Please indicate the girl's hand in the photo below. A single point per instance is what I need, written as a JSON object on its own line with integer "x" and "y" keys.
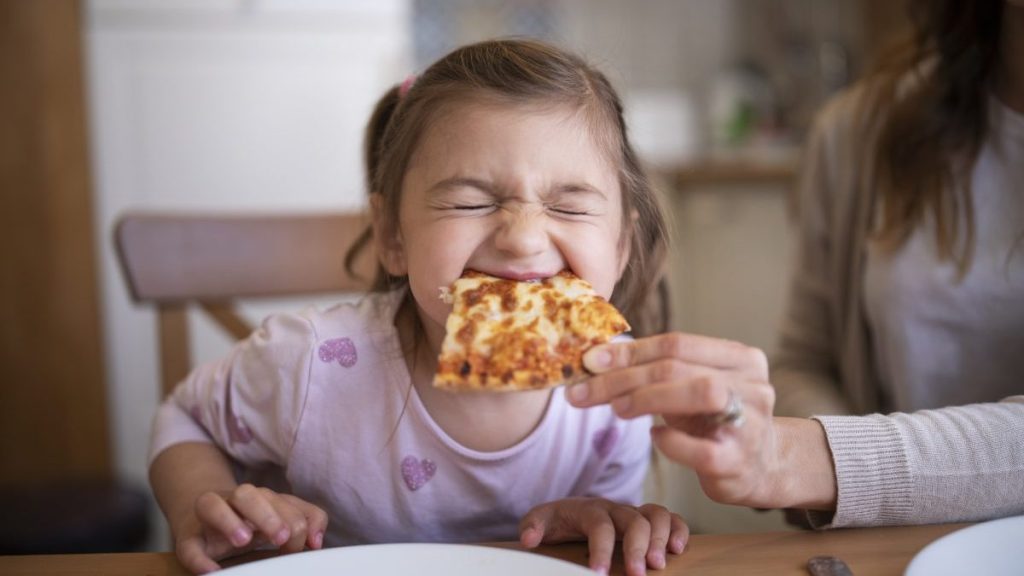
{"x": 691, "y": 380}
{"x": 246, "y": 518}
{"x": 646, "y": 532}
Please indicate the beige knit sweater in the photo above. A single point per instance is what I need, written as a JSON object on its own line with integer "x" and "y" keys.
{"x": 944, "y": 465}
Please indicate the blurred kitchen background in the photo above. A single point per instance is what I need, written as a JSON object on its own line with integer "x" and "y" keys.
{"x": 259, "y": 105}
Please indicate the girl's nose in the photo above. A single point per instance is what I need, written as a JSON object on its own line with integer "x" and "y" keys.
{"x": 522, "y": 233}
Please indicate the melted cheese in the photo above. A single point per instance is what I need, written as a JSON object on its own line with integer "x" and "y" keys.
{"x": 509, "y": 335}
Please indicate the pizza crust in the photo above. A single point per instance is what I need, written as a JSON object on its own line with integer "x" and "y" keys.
{"x": 505, "y": 335}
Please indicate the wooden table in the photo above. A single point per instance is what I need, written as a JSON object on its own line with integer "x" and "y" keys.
{"x": 868, "y": 552}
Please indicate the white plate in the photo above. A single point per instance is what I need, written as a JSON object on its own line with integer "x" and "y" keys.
{"x": 410, "y": 559}
{"x": 994, "y": 548}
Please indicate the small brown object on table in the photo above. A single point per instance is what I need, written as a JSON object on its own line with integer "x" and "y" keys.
{"x": 868, "y": 552}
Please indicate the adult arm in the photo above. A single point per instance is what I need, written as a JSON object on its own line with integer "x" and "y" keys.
{"x": 954, "y": 464}
{"x": 946, "y": 465}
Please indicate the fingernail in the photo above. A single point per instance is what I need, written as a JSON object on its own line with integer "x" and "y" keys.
{"x": 601, "y": 570}
{"x": 638, "y": 567}
{"x": 529, "y": 537}
{"x": 318, "y": 540}
{"x": 658, "y": 560}
{"x": 579, "y": 392}
{"x": 677, "y": 546}
{"x": 597, "y": 359}
{"x": 240, "y": 537}
{"x": 281, "y": 537}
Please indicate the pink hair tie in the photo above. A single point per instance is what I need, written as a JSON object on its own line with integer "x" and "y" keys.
{"x": 406, "y": 85}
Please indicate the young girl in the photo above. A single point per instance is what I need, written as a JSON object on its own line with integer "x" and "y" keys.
{"x": 507, "y": 157}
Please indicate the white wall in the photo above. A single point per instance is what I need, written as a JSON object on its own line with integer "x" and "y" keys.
{"x": 240, "y": 105}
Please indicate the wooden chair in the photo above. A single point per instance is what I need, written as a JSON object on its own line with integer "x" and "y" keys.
{"x": 174, "y": 261}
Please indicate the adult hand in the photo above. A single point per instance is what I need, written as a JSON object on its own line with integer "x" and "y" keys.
{"x": 647, "y": 532}
{"x": 691, "y": 381}
{"x": 225, "y": 525}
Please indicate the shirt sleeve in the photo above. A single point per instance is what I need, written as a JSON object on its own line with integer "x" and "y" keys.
{"x": 250, "y": 402}
{"x": 957, "y": 464}
{"x": 624, "y": 472}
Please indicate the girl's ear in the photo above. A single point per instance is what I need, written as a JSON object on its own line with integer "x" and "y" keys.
{"x": 387, "y": 239}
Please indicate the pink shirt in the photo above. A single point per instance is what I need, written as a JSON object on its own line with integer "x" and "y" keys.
{"x": 323, "y": 401}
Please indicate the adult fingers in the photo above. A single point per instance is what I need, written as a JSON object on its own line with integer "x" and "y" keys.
{"x": 192, "y": 555}
{"x": 692, "y": 348}
{"x": 726, "y": 473}
{"x": 218, "y": 516}
{"x": 707, "y": 457}
{"x": 703, "y": 395}
{"x": 254, "y": 505}
{"x": 614, "y": 385}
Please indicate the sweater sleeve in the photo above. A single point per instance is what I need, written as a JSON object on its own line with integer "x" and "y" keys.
{"x": 249, "y": 403}
{"x": 956, "y": 464}
{"x": 805, "y": 369}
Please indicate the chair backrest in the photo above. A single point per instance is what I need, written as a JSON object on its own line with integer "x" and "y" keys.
{"x": 176, "y": 260}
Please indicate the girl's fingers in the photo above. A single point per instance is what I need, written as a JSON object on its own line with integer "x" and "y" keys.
{"x": 554, "y": 521}
{"x": 646, "y": 532}
{"x": 690, "y": 348}
{"x": 660, "y": 520}
{"x": 316, "y": 520}
{"x": 295, "y": 520}
{"x": 600, "y": 531}
{"x": 193, "y": 557}
{"x": 253, "y": 504}
{"x": 679, "y": 535}
{"x": 534, "y": 525}
{"x": 636, "y": 538}
{"x": 218, "y": 516}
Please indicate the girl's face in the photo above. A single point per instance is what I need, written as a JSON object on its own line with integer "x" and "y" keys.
{"x": 512, "y": 191}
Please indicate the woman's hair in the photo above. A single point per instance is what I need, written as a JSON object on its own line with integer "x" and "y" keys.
{"x": 522, "y": 72}
{"x": 930, "y": 99}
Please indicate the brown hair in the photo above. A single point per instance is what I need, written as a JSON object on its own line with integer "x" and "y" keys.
{"x": 929, "y": 97}
{"x": 523, "y": 72}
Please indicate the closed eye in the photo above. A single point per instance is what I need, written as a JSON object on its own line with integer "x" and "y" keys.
{"x": 469, "y": 207}
{"x": 570, "y": 212}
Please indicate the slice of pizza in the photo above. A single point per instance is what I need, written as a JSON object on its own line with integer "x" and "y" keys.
{"x": 507, "y": 335}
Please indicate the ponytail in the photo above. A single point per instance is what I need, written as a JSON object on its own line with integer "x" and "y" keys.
{"x": 375, "y": 128}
